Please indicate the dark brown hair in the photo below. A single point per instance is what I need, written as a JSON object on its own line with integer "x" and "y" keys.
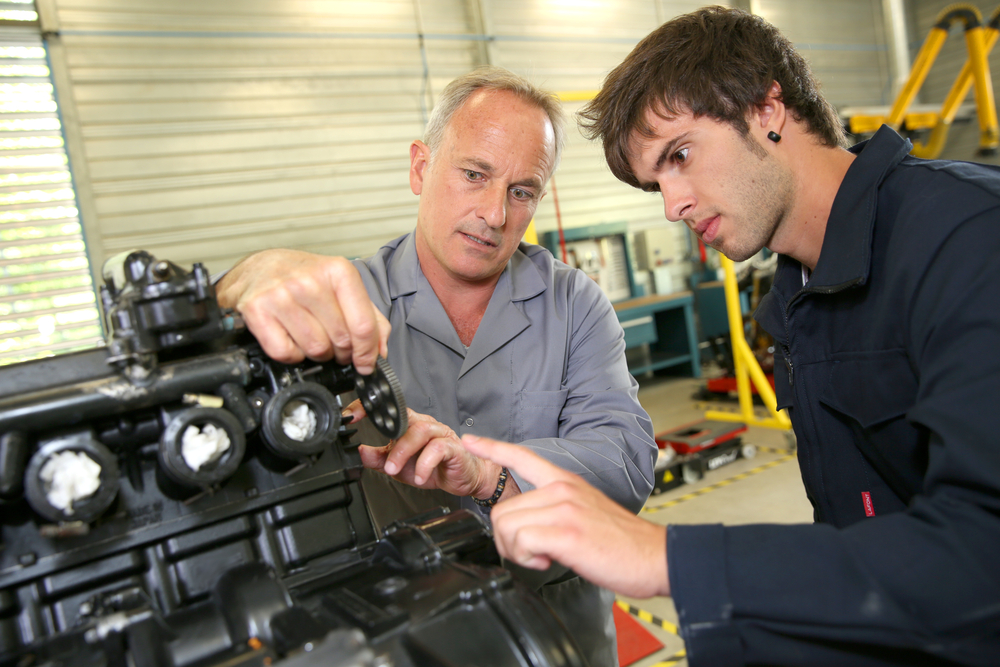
{"x": 716, "y": 62}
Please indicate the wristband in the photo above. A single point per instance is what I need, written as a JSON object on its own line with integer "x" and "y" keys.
{"x": 492, "y": 500}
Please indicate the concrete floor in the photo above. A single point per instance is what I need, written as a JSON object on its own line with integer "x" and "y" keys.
{"x": 771, "y": 492}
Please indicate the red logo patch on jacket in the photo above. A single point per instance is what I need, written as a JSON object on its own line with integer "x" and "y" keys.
{"x": 867, "y": 499}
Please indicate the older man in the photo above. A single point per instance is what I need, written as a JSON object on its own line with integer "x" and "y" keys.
{"x": 489, "y": 336}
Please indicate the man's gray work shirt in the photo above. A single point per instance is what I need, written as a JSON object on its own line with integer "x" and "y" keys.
{"x": 546, "y": 367}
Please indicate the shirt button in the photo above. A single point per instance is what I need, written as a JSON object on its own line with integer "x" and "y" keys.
{"x": 469, "y": 422}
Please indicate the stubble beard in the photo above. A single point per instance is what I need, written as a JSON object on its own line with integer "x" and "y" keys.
{"x": 766, "y": 200}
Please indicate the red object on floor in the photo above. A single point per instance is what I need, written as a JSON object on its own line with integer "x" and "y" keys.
{"x": 727, "y": 384}
{"x": 634, "y": 641}
{"x": 696, "y": 436}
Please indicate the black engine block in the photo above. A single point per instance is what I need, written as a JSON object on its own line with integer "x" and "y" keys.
{"x": 260, "y": 552}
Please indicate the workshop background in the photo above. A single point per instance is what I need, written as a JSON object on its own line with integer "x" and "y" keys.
{"x": 204, "y": 131}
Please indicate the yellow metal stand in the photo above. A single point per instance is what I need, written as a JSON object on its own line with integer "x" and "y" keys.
{"x": 979, "y": 40}
{"x": 959, "y": 90}
{"x": 747, "y": 368}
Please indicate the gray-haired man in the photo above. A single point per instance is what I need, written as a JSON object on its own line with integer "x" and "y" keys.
{"x": 489, "y": 336}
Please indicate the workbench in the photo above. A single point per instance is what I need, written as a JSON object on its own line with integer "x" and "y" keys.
{"x": 665, "y": 322}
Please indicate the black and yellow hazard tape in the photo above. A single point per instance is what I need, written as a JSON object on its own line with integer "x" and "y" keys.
{"x": 788, "y": 456}
{"x": 644, "y": 615}
{"x": 672, "y": 660}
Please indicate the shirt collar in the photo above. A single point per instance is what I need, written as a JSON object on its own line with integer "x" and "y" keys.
{"x": 403, "y": 268}
{"x": 845, "y": 258}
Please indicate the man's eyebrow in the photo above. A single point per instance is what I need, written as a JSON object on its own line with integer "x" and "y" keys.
{"x": 481, "y": 165}
{"x": 529, "y": 183}
{"x": 668, "y": 150}
{"x": 487, "y": 168}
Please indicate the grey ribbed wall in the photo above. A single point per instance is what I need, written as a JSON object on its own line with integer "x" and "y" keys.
{"x": 207, "y": 130}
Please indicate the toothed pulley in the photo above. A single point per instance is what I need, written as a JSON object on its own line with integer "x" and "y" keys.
{"x": 382, "y": 397}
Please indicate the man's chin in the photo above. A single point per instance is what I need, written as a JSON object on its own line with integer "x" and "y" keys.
{"x": 738, "y": 257}
{"x": 475, "y": 276}
{"x": 735, "y": 254}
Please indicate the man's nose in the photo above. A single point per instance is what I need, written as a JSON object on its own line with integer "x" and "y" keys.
{"x": 493, "y": 206}
{"x": 678, "y": 202}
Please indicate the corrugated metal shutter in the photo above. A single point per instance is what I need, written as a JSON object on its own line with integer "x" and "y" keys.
{"x": 209, "y": 130}
{"x": 845, "y": 44}
{"x": 47, "y": 300}
{"x": 205, "y": 130}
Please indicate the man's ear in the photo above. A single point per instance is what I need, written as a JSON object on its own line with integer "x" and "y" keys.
{"x": 420, "y": 156}
{"x": 771, "y": 114}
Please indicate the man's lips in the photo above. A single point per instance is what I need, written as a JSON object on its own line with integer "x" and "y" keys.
{"x": 708, "y": 228}
{"x": 480, "y": 240}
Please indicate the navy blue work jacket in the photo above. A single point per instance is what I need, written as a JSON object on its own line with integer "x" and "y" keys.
{"x": 888, "y": 360}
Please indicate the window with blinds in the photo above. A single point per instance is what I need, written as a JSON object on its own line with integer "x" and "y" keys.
{"x": 47, "y": 299}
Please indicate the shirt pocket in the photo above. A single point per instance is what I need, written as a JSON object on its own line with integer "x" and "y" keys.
{"x": 872, "y": 393}
{"x": 872, "y": 387}
{"x": 539, "y": 413}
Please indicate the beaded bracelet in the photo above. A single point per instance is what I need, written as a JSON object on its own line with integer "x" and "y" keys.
{"x": 492, "y": 500}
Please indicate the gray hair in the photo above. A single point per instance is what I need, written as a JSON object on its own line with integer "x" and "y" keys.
{"x": 461, "y": 89}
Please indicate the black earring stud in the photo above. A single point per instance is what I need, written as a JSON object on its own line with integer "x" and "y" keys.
{"x": 774, "y": 136}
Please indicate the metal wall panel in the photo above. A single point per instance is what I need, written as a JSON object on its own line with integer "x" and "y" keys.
{"x": 207, "y": 130}
{"x": 844, "y": 42}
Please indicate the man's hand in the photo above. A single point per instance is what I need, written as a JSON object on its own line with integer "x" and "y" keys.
{"x": 566, "y": 520}
{"x": 302, "y": 305}
{"x": 430, "y": 456}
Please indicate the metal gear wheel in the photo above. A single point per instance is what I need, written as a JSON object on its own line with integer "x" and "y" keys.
{"x": 382, "y": 397}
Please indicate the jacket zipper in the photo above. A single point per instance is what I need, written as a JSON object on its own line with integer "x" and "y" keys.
{"x": 787, "y": 348}
{"x": 784, "y": 314}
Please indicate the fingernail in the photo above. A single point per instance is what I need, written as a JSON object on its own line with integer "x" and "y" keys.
{"x": 418, "y": 479}
{"x": 390, "y": 468}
